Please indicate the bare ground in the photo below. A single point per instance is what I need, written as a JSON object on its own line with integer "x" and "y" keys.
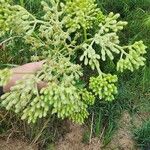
{"x": 15, "y": 144}
{"x": 73, "y": 140}
{"x": 122, "y": 140}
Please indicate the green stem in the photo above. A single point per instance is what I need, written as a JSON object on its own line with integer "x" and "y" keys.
{"x": 122, "y": 49}
{"x": 98, "y": 69}
{"x": 85, "y": 34}
{"x": 9, "y": 65}
{"x": 7, "y": 40}
{"x": 22, "y": 3}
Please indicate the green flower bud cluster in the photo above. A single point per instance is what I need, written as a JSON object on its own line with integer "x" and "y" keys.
{"x": 5, "y": 76}
{"x": 81, "y": 13}
{"x": 109, "y": 44}
{"x": 110, "y": 24}
{"x": 61, "y": 96}
{"x": 20, "y": 97}
{"x": 59, "y": 70}
{"x": 36, "y": 109}
{"x": 106, "y": 38}
{"x": 49, "y": 15}
{"x": 25, "y": 23}
{"x": 4, "y": 15}
{"x": 50, "y": 35}
{"x": 65, "y": 101}
{"x": 89, "y": 56}
{"x": 104, "y": 86}
{"x": 16, "y": 18}
{"x": 87, "y": 97}
{"x": 35, "y": 43}
{"x": 99, "y": 18}
{"x": 134, "y": 59}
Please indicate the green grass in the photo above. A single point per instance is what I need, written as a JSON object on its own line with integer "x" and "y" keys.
{"x": 142, "y": 136}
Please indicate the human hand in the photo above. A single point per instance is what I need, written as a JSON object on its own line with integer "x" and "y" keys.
{"x": 19, "y": 72}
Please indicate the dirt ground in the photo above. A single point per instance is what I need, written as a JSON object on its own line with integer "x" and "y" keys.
{"x": 73, "y": 140}
{"x": 15, "y": 144}
{"x": 122, "y": 139}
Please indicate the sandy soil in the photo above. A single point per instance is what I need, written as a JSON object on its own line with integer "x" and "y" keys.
{"x": 122, "y": 140}
{"x": 73, "y": 140}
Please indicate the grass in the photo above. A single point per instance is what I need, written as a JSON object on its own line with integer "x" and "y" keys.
{"x": 44, "y": 133}
{"x": 142, "y": 136}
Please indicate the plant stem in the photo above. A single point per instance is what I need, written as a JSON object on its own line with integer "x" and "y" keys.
{"x": 98, "y": 69}
{"x": 85, "y": 34}
{"x": 7, "y": 40}
{"x": 91, "y": 133}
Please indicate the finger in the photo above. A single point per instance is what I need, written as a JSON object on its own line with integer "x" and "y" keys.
{"x": 42, "y": 85}
{"x": 29, "y": 68}
{"x": 39, "y": 65}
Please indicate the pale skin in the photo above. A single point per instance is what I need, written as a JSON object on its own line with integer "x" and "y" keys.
{"x": 20, "y": 71}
